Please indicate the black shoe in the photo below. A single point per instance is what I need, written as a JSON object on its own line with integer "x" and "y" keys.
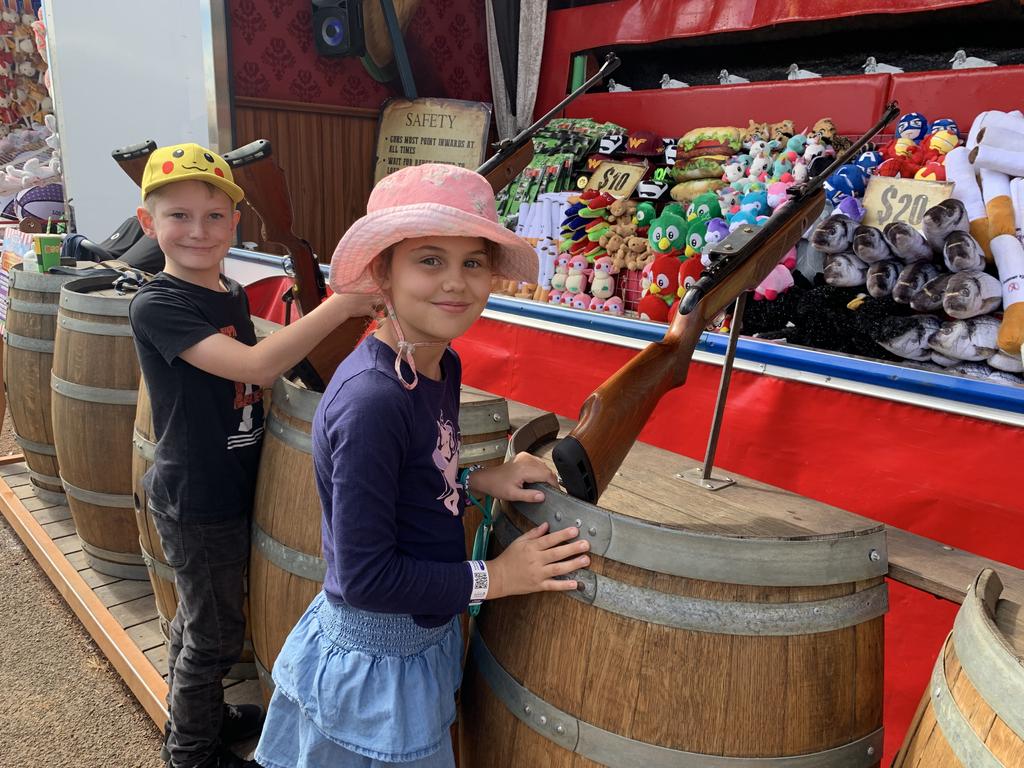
{"x": 239, "y": 722}
{"x": 228, "y": 759}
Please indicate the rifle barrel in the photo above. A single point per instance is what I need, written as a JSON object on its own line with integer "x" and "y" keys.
{"x": 506, "y": 148}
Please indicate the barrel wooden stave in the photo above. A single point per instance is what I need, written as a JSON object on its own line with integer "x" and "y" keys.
{"x": 164, "y": 592}
{"x": 586, "y": 661}
{"x": 93, "y": 439}
{"x": 927, "y": 744}
{"x": 287, "y": 509}
{"x": 32, "y": 317}
{"x": 699, "y": 692}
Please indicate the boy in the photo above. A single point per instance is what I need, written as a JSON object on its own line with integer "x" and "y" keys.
{"x": 198, "y": 353}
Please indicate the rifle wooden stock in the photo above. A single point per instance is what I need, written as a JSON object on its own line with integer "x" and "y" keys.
{"x": 501, "y": 176}
{"x": 612, "y": 417}
{"x": 132, "y": 159}
{"x": 266, "y": 194}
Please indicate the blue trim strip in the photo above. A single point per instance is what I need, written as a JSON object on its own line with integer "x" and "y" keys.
{"x": 946, "y": 386}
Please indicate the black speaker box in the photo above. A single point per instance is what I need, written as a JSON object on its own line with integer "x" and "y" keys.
{"x": 338, "y": 27}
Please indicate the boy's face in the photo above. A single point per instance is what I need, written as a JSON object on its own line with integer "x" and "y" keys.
{"x": 439, "y": 285}
{"x": 193, "y": 223}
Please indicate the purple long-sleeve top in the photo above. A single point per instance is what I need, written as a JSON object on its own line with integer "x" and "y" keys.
{"x": 386, "y": 462}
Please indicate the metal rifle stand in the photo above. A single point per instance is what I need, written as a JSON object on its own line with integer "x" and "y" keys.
{"x": 702, "y": 476}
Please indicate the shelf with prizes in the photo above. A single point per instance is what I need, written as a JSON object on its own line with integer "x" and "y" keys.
{"x": 916, "y": 259}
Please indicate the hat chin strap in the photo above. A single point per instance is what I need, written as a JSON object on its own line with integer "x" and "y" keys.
{"x": 406, "y": 349}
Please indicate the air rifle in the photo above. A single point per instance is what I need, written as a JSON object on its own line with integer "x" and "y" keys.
{"x": 515, "y": 154}
{"x": 611, "y": 417}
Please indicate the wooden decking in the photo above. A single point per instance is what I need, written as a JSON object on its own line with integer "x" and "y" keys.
{"x": 119, "y": 614}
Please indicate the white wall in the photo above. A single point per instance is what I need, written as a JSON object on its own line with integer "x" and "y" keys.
{"x": 125, "y": 71}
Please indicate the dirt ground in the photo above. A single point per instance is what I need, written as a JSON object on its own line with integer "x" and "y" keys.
{"x": 61, "y": 703}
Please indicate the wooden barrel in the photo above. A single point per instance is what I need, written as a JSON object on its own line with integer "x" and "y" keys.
{"x": 95, "y": 381}
{"x": 973, "y": 711}
{"x": 286, "y": 570}
{"x": 483, "y": 422}
{"x": 710, "y": 630}
{"x": 30, "y": 329}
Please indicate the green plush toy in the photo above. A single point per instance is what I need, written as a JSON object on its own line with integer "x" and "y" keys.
{"x": 667, "y": 234}
{"x": 696, "y": 235}
{"x": 645, "y": 214}
{"x": 705, "y": 207}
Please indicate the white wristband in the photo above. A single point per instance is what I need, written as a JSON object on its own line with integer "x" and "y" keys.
{"x": 481, "y": 581}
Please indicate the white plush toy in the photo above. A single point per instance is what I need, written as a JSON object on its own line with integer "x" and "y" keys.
{"x": 998, "y": 157}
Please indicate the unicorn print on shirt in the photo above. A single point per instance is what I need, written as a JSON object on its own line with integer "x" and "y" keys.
{"x": 446, "y": 459}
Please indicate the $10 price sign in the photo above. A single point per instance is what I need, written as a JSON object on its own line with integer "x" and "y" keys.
{"x": 887, "y": 200}
{"x": 618, "y": 179}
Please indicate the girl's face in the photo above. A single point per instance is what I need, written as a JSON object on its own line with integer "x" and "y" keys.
{"x": 438, "y": 285}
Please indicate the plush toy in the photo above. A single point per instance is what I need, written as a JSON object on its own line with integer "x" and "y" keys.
{"x": 779, "y": 280}
{"x": 696, "y": 237}
{"x": 913, "y": 126}
{"x": 704, "y": 207}
{"x": 782, "y": 169}
{"x": 945, "y": 124}
{"x": 777, "y": 193}
{"x": 754, "y": 132}
{"x": 1007, "y": 251}
{"x": 561, "y": 273}
{"x": 614, "y": 306}
{"x": 645, "y": 214}
{"x": 576, "y": 281}
{"x": 555, "y": 297}
{"x": 603, "y": 284}
{"x": 667, "y": 234}
{"x": 641, "y": 254}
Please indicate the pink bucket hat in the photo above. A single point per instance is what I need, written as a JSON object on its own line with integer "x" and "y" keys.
{"x": 425, "y": 200}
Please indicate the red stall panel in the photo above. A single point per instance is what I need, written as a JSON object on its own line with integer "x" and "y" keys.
{"x": 854, "y": 103}
{"x": 960, "y": 95}
{"x": 630, "y": 22}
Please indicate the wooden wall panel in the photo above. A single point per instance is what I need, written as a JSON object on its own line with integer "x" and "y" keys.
{"x": 327, "y": 155}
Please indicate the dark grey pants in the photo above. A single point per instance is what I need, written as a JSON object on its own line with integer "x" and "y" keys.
{"x": 207, "y": 633}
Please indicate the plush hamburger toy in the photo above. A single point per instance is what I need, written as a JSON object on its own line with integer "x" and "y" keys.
{"x": 721, "y": 141}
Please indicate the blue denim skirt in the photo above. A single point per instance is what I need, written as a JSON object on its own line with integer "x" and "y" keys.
{"x": 356, "y": 689}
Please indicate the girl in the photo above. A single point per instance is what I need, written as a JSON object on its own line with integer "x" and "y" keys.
{"x": 368, "y": 676}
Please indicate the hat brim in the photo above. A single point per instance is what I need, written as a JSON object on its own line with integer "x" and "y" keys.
{"x": 229, "y": 188}
{"x": 375, "y": 232}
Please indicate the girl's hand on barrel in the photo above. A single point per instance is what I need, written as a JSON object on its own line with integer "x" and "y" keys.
{"x": 531, "y": 563}
{"x": 507, "y": 480}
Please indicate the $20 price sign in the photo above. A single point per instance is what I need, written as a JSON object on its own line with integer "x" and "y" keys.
{"x": 888, "y": 200}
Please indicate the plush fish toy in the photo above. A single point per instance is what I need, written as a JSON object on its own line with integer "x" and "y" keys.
{"x": 941, "y": 220}
{"x": 1005, "y": 362}
{"x": 907, "y": 337}
{"x": 907, "y": 243}
{"x": 882, "y": 277}
{"x": 870, "y": 246}
{"x": 942, "y": 360}
{"x": 929, "y": 298}
{"x": 844, "y": 270}
{"x": 912, "y": 279}
{"x": 970, "y": 294}
{"x": 962, "y": 253}
{"x": 973, "y": 339}
{"x": 835, "y": 234}
{"x": 983, "y": 371}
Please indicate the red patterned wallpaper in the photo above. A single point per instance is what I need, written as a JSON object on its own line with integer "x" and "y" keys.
{"x": 274, "y": 57}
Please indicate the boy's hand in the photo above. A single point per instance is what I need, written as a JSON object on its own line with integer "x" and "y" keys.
{"x": 348, "y": 305}
{"x": 531, "y": 563}
{"x": 506, "y": 481}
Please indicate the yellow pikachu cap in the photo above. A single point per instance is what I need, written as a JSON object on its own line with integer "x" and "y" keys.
{"x": 189, "y": 162}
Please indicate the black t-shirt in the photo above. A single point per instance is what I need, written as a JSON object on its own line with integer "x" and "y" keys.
{"x": 208, "y": 429}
